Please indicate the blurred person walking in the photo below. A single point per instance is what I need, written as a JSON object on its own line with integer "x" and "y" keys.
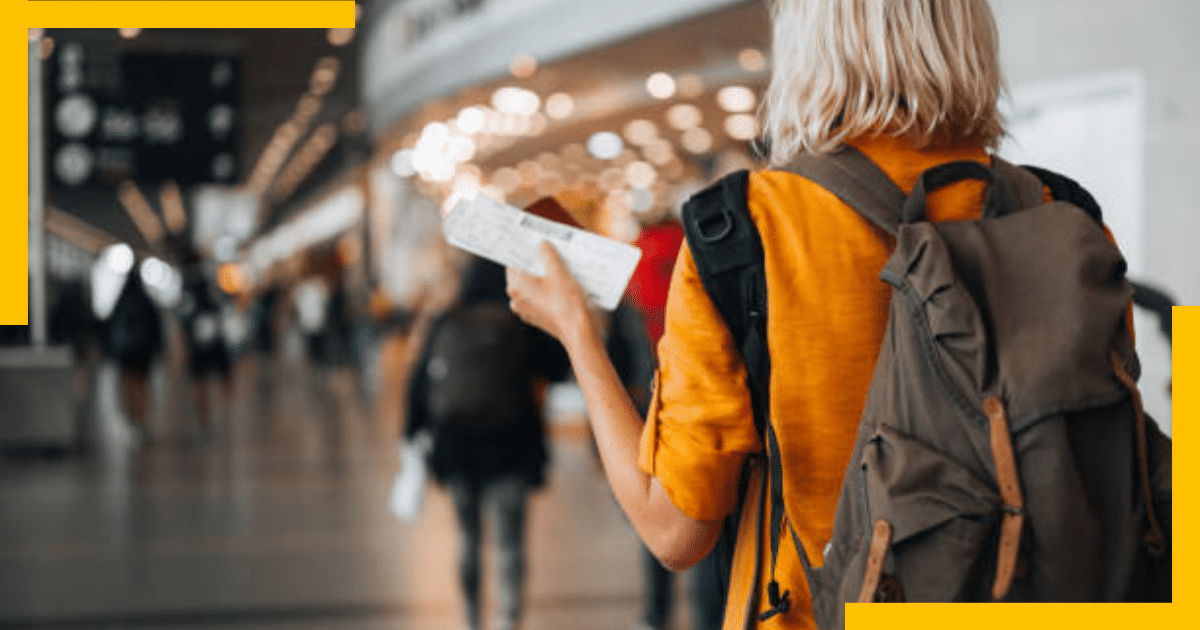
{"x": 908, "y": 85}
{"x": 132, "y": 336}
{"x": 476, "y": 390}
{"x": 208, "y": 355}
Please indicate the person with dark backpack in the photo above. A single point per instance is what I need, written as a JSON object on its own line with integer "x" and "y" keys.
{"x": 132, "y": 336}
{"x": 476, "y": 391}
{"x": 928, "y": 386}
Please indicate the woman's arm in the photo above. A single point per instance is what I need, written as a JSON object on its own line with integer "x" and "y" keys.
{"x": 556, "y": 304}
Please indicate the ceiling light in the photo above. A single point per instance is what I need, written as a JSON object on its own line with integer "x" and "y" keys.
{"x": 549, "y": 161}
{"x": 339, "y": 36}
{"x": 605, "y": 145}
{"x": 223, "y": 167}
{"x": 324, "y": 75}
{"x": 73, "y": 164}
{"x": 684, "y": 116}
{"x": 460, "y": 149}
{"x": 697, "y": 140}
{"x": 514, "y": 100}
{"x": 523, "y": 65}
{"x": 660, "y": 85}
{"x": 530, "y": 171}
{"x": 469, "y": 120}
{"x": 119, "y": 258}
{"x": 76, "y": 115}
{"x": 640, "y": 174}
{"x": 639, "y": 200}
{"x": 640, "y": 131}
{"x": 559, "y": 105}
{"x": 752, "y": 60}
{"x": 741, "y": 127}
{"x": 610, "y": 179}
{"x": 736, "y": 98}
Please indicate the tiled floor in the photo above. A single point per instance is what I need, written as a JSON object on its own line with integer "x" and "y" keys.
{"x": 280, "y": 523}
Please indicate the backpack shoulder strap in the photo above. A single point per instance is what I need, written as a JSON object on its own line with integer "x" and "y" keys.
{"x": 1064, "y": 188}
{"x": 727, "y": 249}
{"x": 1025, "y": 188}
{"x": 857, "y": 181}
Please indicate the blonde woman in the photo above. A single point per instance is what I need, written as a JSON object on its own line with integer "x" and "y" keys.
{"x": 911, "y": 84}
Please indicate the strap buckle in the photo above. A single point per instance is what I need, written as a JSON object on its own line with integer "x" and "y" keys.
{"x": 779, "y": 603}
{"x": 724, "y": 230}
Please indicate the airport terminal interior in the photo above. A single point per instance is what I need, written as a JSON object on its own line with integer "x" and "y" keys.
{"x": 275, "y": 198}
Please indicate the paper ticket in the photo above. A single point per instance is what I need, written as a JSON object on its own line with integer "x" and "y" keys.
{"x": 510, "y": 236}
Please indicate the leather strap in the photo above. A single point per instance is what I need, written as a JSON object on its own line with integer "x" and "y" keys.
{"x": 881, "y": 539}
{"x": 1010, "y": 494}
{"x": 1156, "y": 541}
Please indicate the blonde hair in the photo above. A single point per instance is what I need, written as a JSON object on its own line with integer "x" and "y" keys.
{"x": 926, "y": 70}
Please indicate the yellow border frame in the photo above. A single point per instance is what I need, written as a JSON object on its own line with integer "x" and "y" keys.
{"x": 340, "y": 13}
{"x": 23, "y": 15}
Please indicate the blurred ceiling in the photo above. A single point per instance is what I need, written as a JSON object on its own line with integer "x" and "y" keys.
{"x": 615, "y": 75}
{"x": 610, "y": 88}
{"x": 276, "y": 66}
{"x": 606, "y": 83}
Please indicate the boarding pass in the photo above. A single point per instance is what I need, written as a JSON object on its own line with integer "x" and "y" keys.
{"x": 510, "y": 236}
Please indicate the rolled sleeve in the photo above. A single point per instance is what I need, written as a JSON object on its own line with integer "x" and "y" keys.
{"x": 699, "y": 427}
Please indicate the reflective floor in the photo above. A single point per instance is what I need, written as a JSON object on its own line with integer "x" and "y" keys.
{"x": 280, "y": 520}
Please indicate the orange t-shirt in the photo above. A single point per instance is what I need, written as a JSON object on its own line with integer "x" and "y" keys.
{"x": 825, "y": 326}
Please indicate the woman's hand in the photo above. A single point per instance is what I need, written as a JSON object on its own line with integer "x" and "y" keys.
{"x": 555, "y": 302}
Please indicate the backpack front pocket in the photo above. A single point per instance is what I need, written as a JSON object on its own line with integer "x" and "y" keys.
{"x": 942, "y": 519}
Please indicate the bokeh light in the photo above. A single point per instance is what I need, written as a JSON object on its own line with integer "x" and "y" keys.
{"x": 660, "y": 85}
{"x": 698, "y": 140}
{"x": 605, "y": 145}
{"x": 741, "y": 127}
{"x": 684, "y": 116}
{"x": 640, "y": 131}
{"x": 523, "y": 65}
{"x": 752, "y": 60}
{"x": 736, "y": 98}
{"x": 559, "y": 105}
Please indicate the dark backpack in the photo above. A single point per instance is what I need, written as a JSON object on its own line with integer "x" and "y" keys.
{"x": 1003, "y": 453}
{"x": 477, "y": 369}
{"x": 133, "y": 330}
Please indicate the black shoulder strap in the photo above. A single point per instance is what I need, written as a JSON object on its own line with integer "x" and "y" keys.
{"x": 727, "y": 249}
{"x": 1064, "y": 188}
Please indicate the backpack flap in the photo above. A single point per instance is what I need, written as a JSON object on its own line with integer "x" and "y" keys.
{"x": 1053, "y": 289}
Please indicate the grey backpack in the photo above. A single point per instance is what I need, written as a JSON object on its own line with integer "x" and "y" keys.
{"x": 1003, "y": 453}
